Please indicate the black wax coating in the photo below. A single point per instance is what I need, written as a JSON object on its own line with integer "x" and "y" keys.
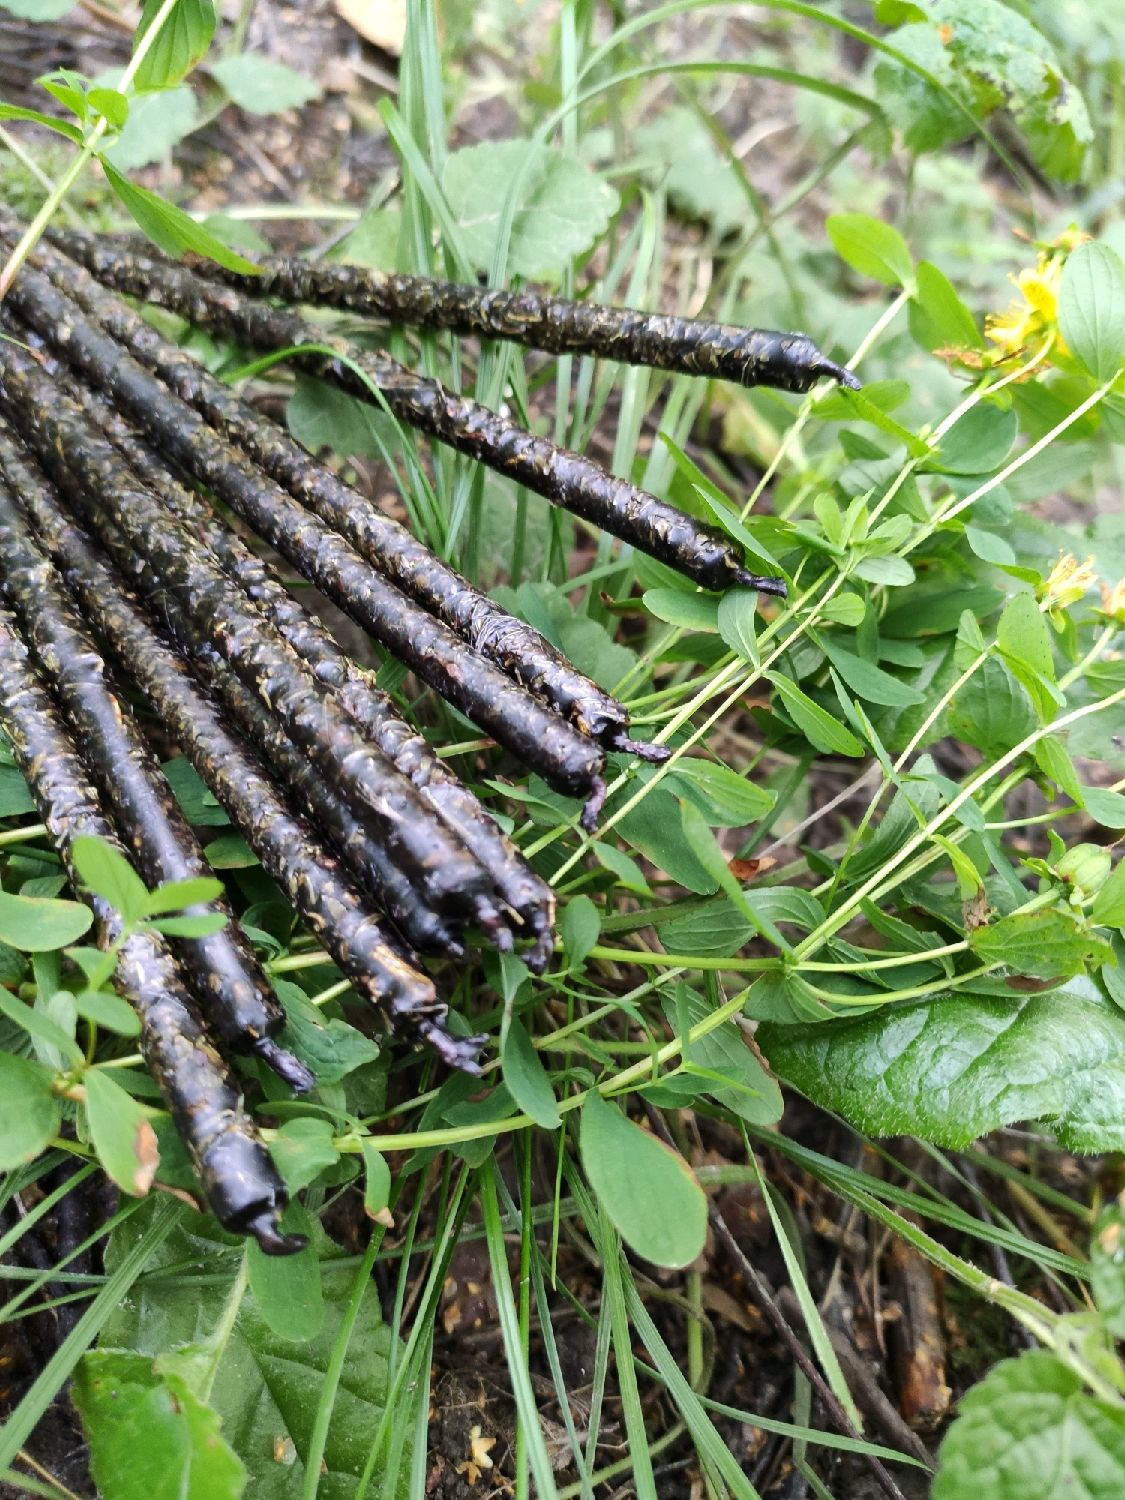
{"x": 423, "y": 863}
{"x": 541, "y": 320}
{"x": 288, "y": 847}
{"x": 373, "y": 711}
{"x": 511, "y": 643}
{"x": 566, "y": 759}
{"x": 224, "y": 974}
{"x": 702, "y": 553}
{"x": 239, "y": 1180}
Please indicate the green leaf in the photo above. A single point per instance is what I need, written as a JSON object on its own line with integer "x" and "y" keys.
{"x": 648, "y": 1192}
{"x": 302, "y": 1149}
{"x": 39, "y": 924}
{"x": 867, "y": 681}
{"x": 562, "y": 206}
{"x": 818, "y": 726}
{"x": 750, "y": 1092}
{"x": 266, "y": 1390}
{"x": 332, "y": 1048}
{"x": 30, "y": 1115}
{"x": 845, "y": 609}
{"x": 105, "y": 1009}
{"x": 938, "y": 317}
{"x": 627, "y": 871}
{"x": 1092, "y": 308}
{"x": 150, "y": 1437}
{"x": 1046, "y": 944}
{"x": 15, "y": 797}
{"x": 691, "y": 611}
{"x": 110, "y": 875}
{"x": 951, "y": 1069}
{"x": 196, "y": 802}
{"x": 1031, "y": 1431}
{"x": 287, "y": 1288}
{"x": 38, "y": 10}
{"x": 892, "y": 572}
{"x": 261, "y": 86}
{"x": 991, "y": 710}
{"x": 49, "y": 122}
{"x": 1107, "y": 1266}
{"x": 182, "y": 42}
{"x": 978, "y": 442}
{"x": 206, "y": 924}
{"x": 169, "y": 227}
{"x": 113, "y": 106}
{"x": 871, "y": 247}
{"x": 1109, "y": 903}
{"x": 1104, "y": 806}
{"x": 157, "y": 122}
{"x": 579, "y": 923}
{"x": 174, "y": 895}
{"x": 738, "y": 622}
{"x": 377, "y": 1180}
{"x": 526, "y": 1077}
{"x": 654, "y": 827}
{"x": 725, "y": 798}
{"x": 122, "y": 1132}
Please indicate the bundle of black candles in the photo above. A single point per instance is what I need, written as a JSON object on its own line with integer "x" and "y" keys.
{"x": 117, "y": 573}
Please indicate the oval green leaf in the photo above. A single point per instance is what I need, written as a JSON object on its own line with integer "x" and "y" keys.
{"x": 40, "y": 924}
{"x": 29, "y": 1112}
{"x": 649, "y": 1192}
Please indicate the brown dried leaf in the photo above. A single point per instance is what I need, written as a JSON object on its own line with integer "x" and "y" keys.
{"x": 380, "y": 22}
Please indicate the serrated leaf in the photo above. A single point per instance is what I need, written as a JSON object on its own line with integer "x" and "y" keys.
{"x": 40, "y": 924}
{"x": 266, "y": 1389}
{"x": 818, "y": 726}
{"x": 30, "y": 1114}
{"x": 169, "y": 227}
{"x": 562, "y": 207}
{"x": 331, "y": 1048}
{"x": 261, "y": 86}
{"x": 526, "y": 1077}
{"x": 952, "y": 1069}
{"x": 871, "y": 247}
{"x": 150, "y": 1437}
{"x": 648, "y": 1192}
{"x": 122, "y": 1133}
{"x": 182, "y": 41}
{"x": 1046, "y": 944}
{"x": 1092, "y": 308}
{"x": 1031, "y": 1431}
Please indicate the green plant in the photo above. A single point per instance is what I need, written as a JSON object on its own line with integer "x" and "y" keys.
{"x": 942, "y": 963}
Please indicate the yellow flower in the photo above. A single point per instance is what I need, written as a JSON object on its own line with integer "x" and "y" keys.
{"x": 1037, "y": 315}
{"x": 1113, "y": 602}
{"x": 1068, "y": 581}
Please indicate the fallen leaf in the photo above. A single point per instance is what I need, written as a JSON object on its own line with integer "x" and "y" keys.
{"x": 747, "y": 869}
{"x": 380, "y": 22}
